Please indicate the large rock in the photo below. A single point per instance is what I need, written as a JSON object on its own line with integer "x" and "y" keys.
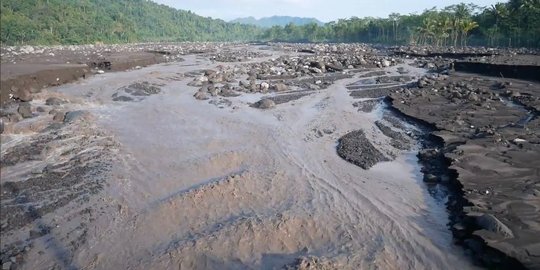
{"x": 334, "y": 67}
{"x": 25, "y": 110}
{"x": 74, "y": 116}
{"x": 315, "y": 70}
{"x": 59, "y": 117}
{"x": 201, "y": 95}
{"x": 213, "y": 90}
{"x": 209, "y": 72}
{"x": 317, "y": 64}
{"x": 280, "y": 87}
{"x": 264, "y": 86}
{"x": 52, "y": 101}
{"x": 265, "y": 104}
{"x": 199, "y": 81}
{"x": 23, "y": 95}
{"x": 244, "y": 84}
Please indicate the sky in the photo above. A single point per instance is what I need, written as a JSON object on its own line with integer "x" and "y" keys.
{"x": 324, "y": 10}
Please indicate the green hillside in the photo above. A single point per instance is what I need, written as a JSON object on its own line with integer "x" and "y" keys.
{"x": 515, "y": 23}
{"x": 109, "y": 21}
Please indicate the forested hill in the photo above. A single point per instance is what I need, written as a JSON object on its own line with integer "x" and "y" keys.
{"x": 109, "y": 21}
{"x": 514, "y": 23}
{"x": 268, "y": 22}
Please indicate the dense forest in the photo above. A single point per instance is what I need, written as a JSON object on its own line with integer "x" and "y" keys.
{"x": 109, "y": 21}
{"x": 515, "y": 23}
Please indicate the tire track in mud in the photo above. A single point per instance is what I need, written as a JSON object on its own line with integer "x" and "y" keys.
{"x": 332, "y": 195}
{"x": 333, "y": 200}
{"x": 241, "y": 189}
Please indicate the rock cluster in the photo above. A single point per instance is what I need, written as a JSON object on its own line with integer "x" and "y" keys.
{"x": 357, "y": 149}
{"x": 313, "y": 71}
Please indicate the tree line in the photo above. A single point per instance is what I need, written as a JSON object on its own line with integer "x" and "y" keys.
{"x": 513, "y": 23}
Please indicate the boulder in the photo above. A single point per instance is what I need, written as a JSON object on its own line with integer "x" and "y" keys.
{"x": 317, "y": 64}
{"x": 422, "y": 83}
{"x": 227, "y": 92}
{"x": 280, "y": 87}
{"x": 23, "y": 95}
{"x": 334, "y": 67}
{"x": 52, "y": 101}
{"x": 200, "y": 95}
{"x": 25, "y": 110}
{"x": 199, "y": 81}
{"x": 73, "y": 116}
{"x": 265, "y": 104}
{"x": 244, "y": 84}
{"x": 315, "y": 70}
{"x": 214, "y": 91}
{"x": 209, "y": 72}
{"x": 265, "y": 86}
{"x": 59, "y": 117}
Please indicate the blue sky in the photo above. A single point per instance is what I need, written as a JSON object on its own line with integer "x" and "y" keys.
{"x": 324, "y": 10}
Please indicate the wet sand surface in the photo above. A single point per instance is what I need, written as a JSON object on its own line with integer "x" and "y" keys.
{"x": 218, "y": 183}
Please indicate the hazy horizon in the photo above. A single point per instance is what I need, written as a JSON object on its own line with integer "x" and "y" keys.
{"x": 322, "y": 10}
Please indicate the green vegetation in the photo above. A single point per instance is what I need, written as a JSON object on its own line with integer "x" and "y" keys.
{"x": 109, "y": 21}
{"x": 515, "y": 24}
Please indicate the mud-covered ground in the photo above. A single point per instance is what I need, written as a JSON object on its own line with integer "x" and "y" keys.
{"x": 276, "y": 156}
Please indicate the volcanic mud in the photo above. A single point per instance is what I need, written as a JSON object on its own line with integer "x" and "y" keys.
{"x": 231, "y": 159}
{"x": 488, "y": 145}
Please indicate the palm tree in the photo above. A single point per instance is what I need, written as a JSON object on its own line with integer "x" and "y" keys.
{"x": 466, "y": 27}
